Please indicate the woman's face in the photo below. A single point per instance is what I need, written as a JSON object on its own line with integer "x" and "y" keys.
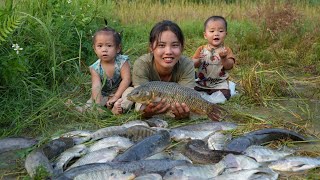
{"x": 167, "y": 50}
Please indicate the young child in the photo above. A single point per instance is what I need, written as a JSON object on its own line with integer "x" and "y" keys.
{"x": 214, "y": 59}
{"x": 110, "y": 74}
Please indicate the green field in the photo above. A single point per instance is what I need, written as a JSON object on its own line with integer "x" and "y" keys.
{"x": 277, "y": 45}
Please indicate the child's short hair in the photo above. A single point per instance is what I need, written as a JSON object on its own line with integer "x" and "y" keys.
{"x": 115, "y": 34}
{"x": 215, "y": 18}
{"x": 164, "y": 26}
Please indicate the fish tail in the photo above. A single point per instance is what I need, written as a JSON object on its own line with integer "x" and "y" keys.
{"x": 215, "y": 112}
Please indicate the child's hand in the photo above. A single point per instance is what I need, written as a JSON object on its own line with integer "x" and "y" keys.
{"x": 111, "y": 102}
{"x": 222, "y": 53}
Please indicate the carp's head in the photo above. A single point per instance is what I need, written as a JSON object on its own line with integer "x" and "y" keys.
{"x": 140, "y": 96}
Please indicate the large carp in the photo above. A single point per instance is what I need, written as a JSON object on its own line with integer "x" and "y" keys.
{"x": 173, "y": 92}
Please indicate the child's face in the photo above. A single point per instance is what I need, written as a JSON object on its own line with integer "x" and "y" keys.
{"x": 105, "y": 47}
{"x": 167, "y": 50}
{"x": 215, "y": 33}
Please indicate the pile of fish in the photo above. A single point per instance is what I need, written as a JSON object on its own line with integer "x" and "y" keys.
{"x": 148, "y": 149}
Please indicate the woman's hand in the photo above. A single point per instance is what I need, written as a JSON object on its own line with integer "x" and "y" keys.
{"x": 180, "y": 111}
{"x": 156, "y": 108}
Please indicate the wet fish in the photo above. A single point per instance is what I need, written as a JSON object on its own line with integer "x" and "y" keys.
{"x": 151, "y": 176}
{"x": 157, "y": 122}
{"x": 173, "y": 92}
{"x": 78, "y": 136}
{"x": 238, "y": 162}
{"x": 108, "y": 174}
{"x": 258, "y": 173}
{"x": 260, "y": 137}
{"x": 139, "y": 168}
{"x": 265, "y": 154}
{"x": 209, "y": 126}
{"x": 69, "y": 154}
{"x": 173, "y": 155}
{"x": 135, "y": 123}
{"x": 295, "y": 163}
{"x": 35, "y": 160}
{"x": 138, "y": 132}
{"x": 200, "y": 172}
{"x": 218, "y": 140}
{"x": 15, "y": 143}
{"x": 107, "y": 131}
{"x": 99, "y": 156}
{"x": 55, "y": 147}
{"x": 198, "y": 152}
{"x": 200, "y": 130}
{"x": 113, "y": 141}
{"x": 145, "y": 148}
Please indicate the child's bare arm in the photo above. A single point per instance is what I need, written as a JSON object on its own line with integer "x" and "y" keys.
{"x": 124, "y": 84}
{"x": 227, "y": 62}
{"x": 96, "y": 86}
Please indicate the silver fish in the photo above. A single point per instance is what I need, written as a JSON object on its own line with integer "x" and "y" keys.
{"x": 107, "y": 131}
{"x": 108, "y": 174}
{"x": 78, "y": 136}
{"x": 35, "y": 160}
{"x": 194, "y": 172}
{"x": 151, "y": 176}
{"x": 69, "y": 154}
{"x": 238, "y": 162}
{"x": 147, "y": 147}
{"x": 157, "y": 122}
{"x": 15, "y": 143}
{"x": 99, "y": 156}
{"x": 247, "y": 174}
{"x": 139, "y": 168}
{"x": 265, "y": 154}
{"x": 295, "y": 163}
{"x": 112, "y": 141}
{"x": 134, "y": 123}
{"x": 173, "y": 92}
{"x": 218, "y": 140}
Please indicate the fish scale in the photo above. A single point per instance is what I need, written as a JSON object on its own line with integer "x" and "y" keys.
{"x": 173, "y": 92}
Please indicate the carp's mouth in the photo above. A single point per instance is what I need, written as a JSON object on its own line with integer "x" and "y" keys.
{"x": 140, "y": 96}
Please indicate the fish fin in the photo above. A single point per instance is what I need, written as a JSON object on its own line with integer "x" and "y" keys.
{"x": 215, "y": 113}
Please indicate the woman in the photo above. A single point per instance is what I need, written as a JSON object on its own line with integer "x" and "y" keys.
{"x": 164, "y": 63}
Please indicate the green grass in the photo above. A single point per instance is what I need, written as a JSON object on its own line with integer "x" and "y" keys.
{"x": 276, "y": 43}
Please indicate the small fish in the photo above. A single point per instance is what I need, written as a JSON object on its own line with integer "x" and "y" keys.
{"x": 134, "y": 123}
{"x": 108, "y": 174}
{"x": 107, "y": 131}
{"x": 112, "y": 141}
{"x": 151, "y": 176}
{"x": 137, "y": 133}
{"x": 55, "y": 147}
{"x": 295, "y": 163}
{"x": 173, "y": 92}
{"x": 157, "y": 122}
{"x": 15, "y": 143}
{"x": 139, "y": 168}
{"x": 260, "y": 137}
{"x": 198, "y": 152}
{"x": 200, "y": 130}
{"x": 145, "y": 148}
{"x": 78, "y": 136}
{"x": 265, "y": 154}
{"x": 35, "y": 160}
{"x": 238, "y": 162}
{"x": 218, "y": 140}
{"x": 69, "y": 154}
{"x": 98, "y": 156}
{"x": 192, "y": 171}
{"x": 258, "y": 173}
